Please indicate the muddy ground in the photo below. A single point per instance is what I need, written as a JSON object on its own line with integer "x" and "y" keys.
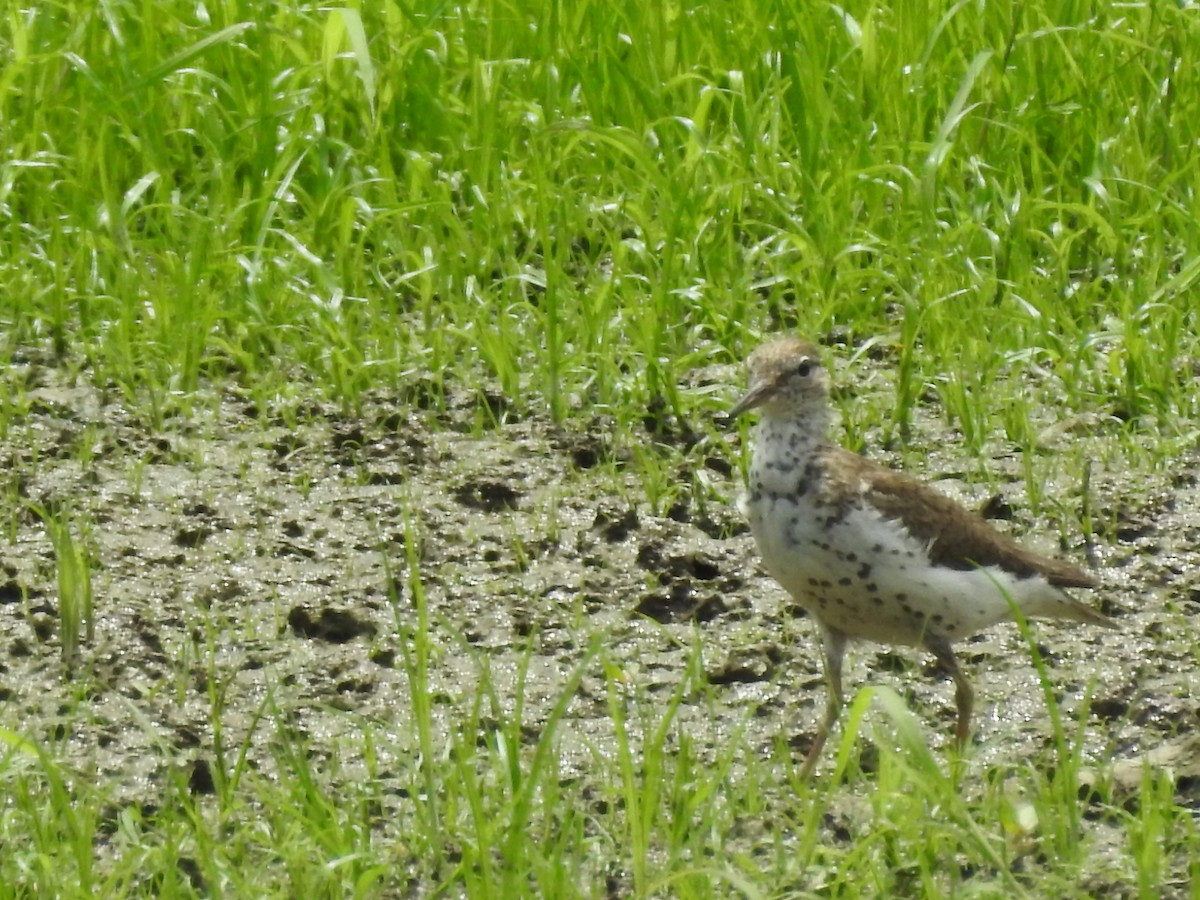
{"x": 272, "y": 553}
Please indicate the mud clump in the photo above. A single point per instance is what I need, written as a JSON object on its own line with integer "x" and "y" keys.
{"x": 337, "y": 626}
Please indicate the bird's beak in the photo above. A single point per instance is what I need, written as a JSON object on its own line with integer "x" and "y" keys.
{"x": 756, "y": 396}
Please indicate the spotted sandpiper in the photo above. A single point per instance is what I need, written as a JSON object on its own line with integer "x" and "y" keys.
{"x": 871, "y": 553}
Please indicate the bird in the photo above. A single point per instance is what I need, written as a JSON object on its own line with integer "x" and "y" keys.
{"x": 871, "y": 553}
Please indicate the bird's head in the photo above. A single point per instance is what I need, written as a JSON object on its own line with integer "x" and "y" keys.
{"x": 787, "y": 380}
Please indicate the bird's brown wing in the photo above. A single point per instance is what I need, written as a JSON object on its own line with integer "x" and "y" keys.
{"x": 957, "y": 537}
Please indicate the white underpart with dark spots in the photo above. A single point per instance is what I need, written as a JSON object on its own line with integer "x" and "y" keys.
{"x": 858, "y": 571}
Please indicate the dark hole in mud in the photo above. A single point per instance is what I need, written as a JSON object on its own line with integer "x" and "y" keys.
{"x": 423, "y": 393}
{"x": 720, "y": 465}
{"x": 719, "y": 529}
{"x": 616, "y": 529}
{"x": 997, "y": 507}
{"x": 680, "y": 604}
{"x": 192, "y": 537}
{"x": 10, "y": 592}
{"x": 109, "y": 821}
{"x": 287, "y": 445}
{"x": 795, "y": 611}
{"x": 661, "y": 424}
{"x": 679, "y": 512}
{"x": 676, "y": 566}
{"x": 497, "y": 408}
{"x": 349, "y": 438}
{"x": 200, "y": 781}
{"x": 650, "y": 555}
{"x": 895, "y": 662}
{"x": 488, "y": 496}
{"x": 160, "y": 450}
{"x": 191, "y": 870}
{"x": 586, "y": 456}
{"x": 376, "y": 478}
{"x": 287, "y": 548}
{"x": 337, "y": 626}
{"x": 149, "y": 637}
{"x": 1109, "y": 709}
{"x": 801, "y": 742}
{"x": 354, "y": 686}
{"x": 1187, "y": 791}
{"x": 1127, "y": 534}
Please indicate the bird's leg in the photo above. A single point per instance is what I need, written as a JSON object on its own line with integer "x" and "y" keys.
{"x": 834, "y": 644}
{"x": 964, "y": 694}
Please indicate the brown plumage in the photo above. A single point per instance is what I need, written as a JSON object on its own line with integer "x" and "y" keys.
{"x": 958, "y": 538}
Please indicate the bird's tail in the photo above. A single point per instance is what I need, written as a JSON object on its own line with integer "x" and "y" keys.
{"x": 1054, "y": 604}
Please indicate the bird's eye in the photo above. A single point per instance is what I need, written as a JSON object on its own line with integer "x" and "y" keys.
{"x": 804, "y": 369}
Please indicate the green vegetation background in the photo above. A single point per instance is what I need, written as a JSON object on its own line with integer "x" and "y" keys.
{"x": 582, "y": 200}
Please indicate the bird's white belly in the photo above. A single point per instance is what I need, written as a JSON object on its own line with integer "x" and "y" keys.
{"x": 869, "y": 578}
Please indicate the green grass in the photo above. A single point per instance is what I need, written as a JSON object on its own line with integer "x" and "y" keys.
{"x": 76, "y": 620}
{"x": 577, "y": 205}
{"x": 231, "y": 198}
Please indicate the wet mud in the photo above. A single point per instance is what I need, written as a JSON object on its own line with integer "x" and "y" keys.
{"x": 262, "y": 567}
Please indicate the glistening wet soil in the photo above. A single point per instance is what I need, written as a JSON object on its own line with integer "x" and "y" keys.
{"x": 265, "y": 561}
